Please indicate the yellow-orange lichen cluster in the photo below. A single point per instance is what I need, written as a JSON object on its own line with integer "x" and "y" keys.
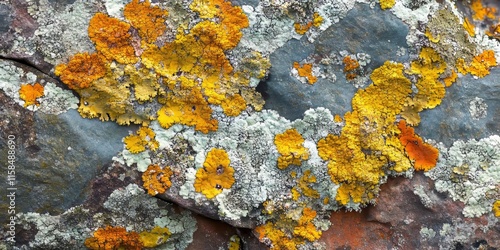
{"x": 367, "y": 144}
{"x": 288, "y": 234}
{"x": 144, "y": 138}
{"x": 306, "y": 70}
{"x": 496, "y": 208}
{"x": 290, "y": 147}
{"x": 185, "y": 75}
{"x": 350, "y": 67}
{"x": 215, "y": 175}
{"x": 156, "y": 179}
{"x": 387, "y": 4}
{"x": 481, "y": 12}
{"x": 29, "y": 93}
{"x": 304, "y": 187}
{"x": 301, "y": 29}
{"x": 112, "y": 238}
{"x": 480, "y": 65}
{"x": 425, "y": 156}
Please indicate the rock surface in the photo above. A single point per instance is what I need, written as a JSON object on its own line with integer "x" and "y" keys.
{"x": 260, "y": 178}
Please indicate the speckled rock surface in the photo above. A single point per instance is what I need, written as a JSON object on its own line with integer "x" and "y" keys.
{"x": 263, "y": 124}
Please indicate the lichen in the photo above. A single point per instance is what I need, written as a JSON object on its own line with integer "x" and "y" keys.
{"x": 30, "y": 93}
{"x": 306, "y": 71}
{"x": 289, "y": 145}
{"x": 423, "y": 155}
{"x": 215, "y": 175}
{"x": 114, "y": 238}
{"x": 156, "y": 179}
{"x": 144, "y": 138}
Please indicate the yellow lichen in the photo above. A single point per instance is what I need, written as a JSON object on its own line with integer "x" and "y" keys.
{"x": 81, "y": 70}
{"x": 234, "y": 243}
{"x": 111, "y": 238}
{"x": 156, "y": 180}
{"x": 29, "y": 93}
{"x": 185, "y": 75}
{"x": 496, "y": 208}
{"x": 317, "y": 19}
{"x": 304, "y": 185}
{"x": 288, "y": 233}
{"x": 448, "y": 81}
{"x": 186, "y": 105}
{"x": 305, "y": 227}
{"x": 145, "y": 137}
{"x": 424, "y": 155}
{"x": 469, "y": 27}
{"x": 387, "y": 4}
{"x": 279, "y": 239}
{"x": 155, "y": 237}
{"x": 290, "y": 147}
{"x": 367, "y": 144}
{"x": 306, "y": 71}
{"x": 112, "y": 38}
{"x": 215, "y": 175}
{"x": 481, "y": 12}
{"x": 149, "y": 21}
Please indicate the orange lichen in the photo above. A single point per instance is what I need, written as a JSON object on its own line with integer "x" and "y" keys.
{"x": 387, "y": 4}
{"x": 232, "y": 20}
{"x": 81, "y": 70}
{"x": 184, "y": 75}
{"x": 424, "y": 155}
{"x": 156, "y": 180}
{"x": 301, "y": 29}
{"x": 29, "y": 93}
{"x": 233, "y": 105}
{"x": 469, "y": 27}
{"x": 155, "y": 237}
{"x": 112, "y": 38}
{"x": 290, "y": 147}
{"x": 481, "y": 12}
{"x": 350, "y": 66}
{"x": 496, "y": 208}
{"x": 494, "y": 31}
{"x": 145, "y": 137}
{"x": 111, "y": 238}
{"x": 306, "y": 71}
{"x": 481, "y": 64}
{"x": 367, "y": 144}
{"x": 149, "y": 21}
{"x": 215, "y": 175}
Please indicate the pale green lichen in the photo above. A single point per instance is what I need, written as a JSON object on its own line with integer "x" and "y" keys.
{"x": 55, "y": 100}
{"x": 470, "y": 172}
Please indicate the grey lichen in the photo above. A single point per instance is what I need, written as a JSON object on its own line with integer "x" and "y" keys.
{"x": 470, "y": 172}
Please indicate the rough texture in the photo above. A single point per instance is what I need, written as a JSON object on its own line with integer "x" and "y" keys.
{"x": 330, "y": 124}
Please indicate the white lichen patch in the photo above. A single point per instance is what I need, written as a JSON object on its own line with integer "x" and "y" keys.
{"x": 142, "y": 159}
{"x": 470, "y": 173}
{"x": 478, "y": 108}
{"x": 414, "y": 17}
